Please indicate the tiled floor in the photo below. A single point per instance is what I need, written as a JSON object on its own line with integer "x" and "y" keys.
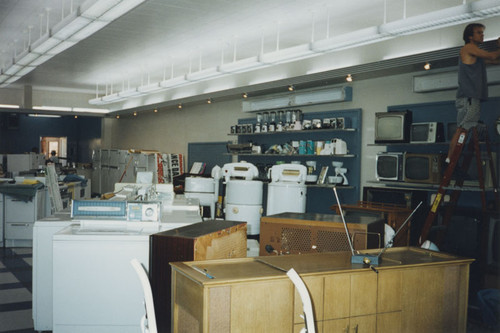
{"x": 15, "y": 290}
{"x": 16, "y": 297}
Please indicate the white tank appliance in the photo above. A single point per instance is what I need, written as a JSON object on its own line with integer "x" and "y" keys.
{"x": 204, "y": 189}
{"x": 287, "y": 190}
{"x": 243, "y": 201}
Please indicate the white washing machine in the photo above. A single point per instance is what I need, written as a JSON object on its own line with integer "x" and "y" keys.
{"x": 287, "y": 191}
{"x": 204, "y": 189}
{"x": 243, "y": 201}
{"x": 95, "y": 287}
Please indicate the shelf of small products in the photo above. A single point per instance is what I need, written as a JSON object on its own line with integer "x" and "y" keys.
{"x": 328, "y": 143}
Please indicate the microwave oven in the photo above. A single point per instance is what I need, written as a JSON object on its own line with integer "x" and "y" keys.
{"x": 429, "y": 132}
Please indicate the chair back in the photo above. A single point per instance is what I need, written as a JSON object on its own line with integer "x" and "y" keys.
{"x": 148, "y": 322}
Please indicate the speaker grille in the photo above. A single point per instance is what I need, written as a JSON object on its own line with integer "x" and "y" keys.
{"x": 331, "y": 241}
{"x": 296, "y": 240}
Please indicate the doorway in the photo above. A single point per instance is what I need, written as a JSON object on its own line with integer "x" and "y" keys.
{"x": 57, "y": 144}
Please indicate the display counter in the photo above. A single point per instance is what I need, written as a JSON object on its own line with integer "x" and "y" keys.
{"x": 412, "y": 290}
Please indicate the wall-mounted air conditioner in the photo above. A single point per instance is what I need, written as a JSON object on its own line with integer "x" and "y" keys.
{"x": 298, "y": 98}
{"x": 448, "y": 80}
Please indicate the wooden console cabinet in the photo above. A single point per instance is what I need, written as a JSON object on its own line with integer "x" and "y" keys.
{"x": 412, "y": 290}
{"x": 214, "y": 239}
{"x": 299, "y": 233}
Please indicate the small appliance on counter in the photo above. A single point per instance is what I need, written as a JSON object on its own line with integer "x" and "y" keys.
{"x": 340, "y": 177}
{"x": 287, "y": 190}
{"x": 243, "y": 201}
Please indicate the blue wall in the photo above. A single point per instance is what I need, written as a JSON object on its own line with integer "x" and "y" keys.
{"x": 20, "y": 133}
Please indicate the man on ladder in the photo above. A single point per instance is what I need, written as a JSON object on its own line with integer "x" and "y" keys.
{"x": 472, "y": 89}
{"x": 472, "y": 80}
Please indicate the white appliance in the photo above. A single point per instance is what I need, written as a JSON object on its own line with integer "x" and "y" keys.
{"x": 24, "y": 162}
{"x": 204, "y": 189}
{"x": 287, "y": 190}
{"x": 43, "y": 231}
{"x": 95, "y": 289}
{"x": 243, "y": 201}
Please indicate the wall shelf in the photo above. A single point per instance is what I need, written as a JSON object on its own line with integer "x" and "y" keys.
{"x": 320, "y": 197}
{"x": 298, "y": 132}
{"x": 428, "y": 187}
{"x": 294, "y": 155}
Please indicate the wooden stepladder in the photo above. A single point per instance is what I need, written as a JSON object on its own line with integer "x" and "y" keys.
{"x": 462, "y": 136}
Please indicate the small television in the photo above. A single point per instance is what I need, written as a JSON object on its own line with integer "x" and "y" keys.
{"x": 429, "y": 132}
{"x": 423, "y": 168}
{"x": 392, "y": 126}
{"x": 389, "y": 166}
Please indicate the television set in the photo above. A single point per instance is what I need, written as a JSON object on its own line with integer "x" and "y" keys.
{"x": 423, "y": 168}
{"x": 429, "y": 132}
{"x": 389, "y": 166}
{"x": 392, "y": 126}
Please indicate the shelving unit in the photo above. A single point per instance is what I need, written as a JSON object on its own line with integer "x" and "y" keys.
{"x": 445, "y": 113}
{"x": 319, "y": 196}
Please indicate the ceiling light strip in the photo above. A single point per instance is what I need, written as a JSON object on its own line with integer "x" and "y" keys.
{"x": 90, "y": 17}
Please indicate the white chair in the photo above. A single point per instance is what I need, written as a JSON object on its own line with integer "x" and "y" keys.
{"x": 306, "y": 301}
{"x": 148, "y": 321}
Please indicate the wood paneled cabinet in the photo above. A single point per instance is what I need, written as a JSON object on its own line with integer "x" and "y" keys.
{"x": 413, "y": 290}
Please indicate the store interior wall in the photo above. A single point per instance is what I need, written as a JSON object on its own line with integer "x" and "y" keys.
{"x": 170, "y": 130}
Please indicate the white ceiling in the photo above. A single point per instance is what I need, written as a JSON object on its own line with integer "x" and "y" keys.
{"x": 189, "y": 35}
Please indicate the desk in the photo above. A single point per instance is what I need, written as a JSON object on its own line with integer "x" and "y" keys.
{"x": 415, "y": 290}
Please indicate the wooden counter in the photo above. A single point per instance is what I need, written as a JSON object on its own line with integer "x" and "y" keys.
{"x": 413, "y": 290}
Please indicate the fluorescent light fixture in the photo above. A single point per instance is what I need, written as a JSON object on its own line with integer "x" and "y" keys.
{"x": 90, "y": 29}
{"x": 25, "y": 70}
{"x": 129, "y": 93}
{"x": 96, "y": 101}
{"x": 436, "y": 19}
{"x": 149, "y": 88}
{"x": 61, "y": 47}
{"x": 13, "y": 69}
{"x": 69, "y": 26}
{"x": 90, "y": 110}
{"x": 44, "y": 44}
{"x": 52, "y": 108}
{"x": 9, "y": 106}
{"x": 241, "y": 65}
{"x": 40, "y": 60}
{"x": 25, "y": 58}
{"x": 119, "y": 9}
{"x": 111, "y": 97}
{"x": 4, "y": 77}
{"x": 176, "y": 81}
{"x": 203, "y": 74}
{"x": 95, "y": 8}
{"x": 338, "y": 94}
{"x": 44, "y": 115}
{"x": 291, "y": 53}
{"x": 350, "y": 39}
